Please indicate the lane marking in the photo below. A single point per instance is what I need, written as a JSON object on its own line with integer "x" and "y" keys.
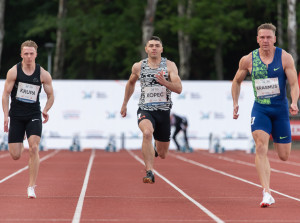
{"x": 26, "y": 167}
{"x": 77, "y": 214}
{"x": 4, "y": 155}
{"x": 229, "y": 175}
{"x": 204, "y": 209}
{"x": 253, "y": 165}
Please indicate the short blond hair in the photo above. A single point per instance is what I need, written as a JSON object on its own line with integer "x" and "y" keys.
{"x": 29, "y": 43}
{"x": 269, "y": 26}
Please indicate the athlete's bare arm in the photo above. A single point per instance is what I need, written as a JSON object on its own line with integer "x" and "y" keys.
{"x": 46, "y": 80}
{"x": 245, "y": 65}
{"x": 8, "y": 86}
{"x": 135, "y": 73}
{"x": 291, "y": 74}
{"x": 175, "y": 83}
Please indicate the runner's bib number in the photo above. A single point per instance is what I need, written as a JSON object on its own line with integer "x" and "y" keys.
{"x": 267, "y": 88}
{"x": 155, "y": 95}
{"x": 27, "y": 92}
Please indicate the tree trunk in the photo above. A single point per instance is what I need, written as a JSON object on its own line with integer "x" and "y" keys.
{"x": 2, "y": 10}
{"x": 60, "y": 42}
{"x": 279, "y": 24}
{"x": 219, "y": 61}
{"x": 148, "y": 27}
{"x": 184, "y": 42}
{"x": 292, "y": 30}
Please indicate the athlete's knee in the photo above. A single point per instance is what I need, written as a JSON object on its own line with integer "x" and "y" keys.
{"x": 147, "y": 134}
{"x": 284, "y": 156}
{"x": 163, "y": 155}
{"x": 33, "y": 149}
{"x": 261, "y": 149}
{"x": 15, "y": 152}
{"x": 15, "y": 156}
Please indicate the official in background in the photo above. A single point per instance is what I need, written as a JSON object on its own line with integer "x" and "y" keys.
{"x": 180, "y": 123}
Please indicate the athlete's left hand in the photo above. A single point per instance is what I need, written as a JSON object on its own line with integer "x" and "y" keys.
{"x": 294, "y": 109}
{"x": 45, "y": 116}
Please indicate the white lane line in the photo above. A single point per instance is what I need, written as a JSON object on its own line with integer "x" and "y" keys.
{"x": 229, "y": 175}
{"x": 252, "y": 165}
{"x": 204, "y": 209}
{"x": 77, "y": 214}
{"x": 284, "y": 162}
{"x": 26, "y": 167}
{"x": 4, "y": 155}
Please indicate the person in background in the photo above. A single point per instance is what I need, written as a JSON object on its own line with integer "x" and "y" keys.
{"x": 180, "y": 124}
{"x": 23, "y": 84}
{"x": 269, "y": 67}
{"x": 158, "y": 78}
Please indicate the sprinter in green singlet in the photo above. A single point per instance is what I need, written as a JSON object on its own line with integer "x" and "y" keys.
{"x": 269, "y": 67}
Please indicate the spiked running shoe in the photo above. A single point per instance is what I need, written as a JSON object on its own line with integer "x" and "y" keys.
{"x": 30, "y": 192}
{"x": 155, "y": 151}
{"x": 149, "y": 178}
{"x": 267, "y": 200}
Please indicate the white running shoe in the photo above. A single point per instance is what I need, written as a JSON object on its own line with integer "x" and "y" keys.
{"x": 30, "y": 192}
{"x": 267, "y": 200}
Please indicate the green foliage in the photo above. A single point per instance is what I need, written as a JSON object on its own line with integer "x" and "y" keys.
{"x": 103, "y": 37}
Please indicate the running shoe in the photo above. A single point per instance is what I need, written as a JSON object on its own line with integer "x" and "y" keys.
{"x": 155, "y": 151}
{"x": 149, "y": 178}
{"x": 267, "y": 200}
{"x": 30, "y": 192}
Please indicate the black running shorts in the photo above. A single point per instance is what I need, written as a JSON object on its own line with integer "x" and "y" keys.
{"x": 160, "y": 121}
{"x": 32, "y": 125}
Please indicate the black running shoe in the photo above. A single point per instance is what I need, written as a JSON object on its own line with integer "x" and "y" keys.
{"x": 149, "y": 178}
{"x": 155, "y": 152}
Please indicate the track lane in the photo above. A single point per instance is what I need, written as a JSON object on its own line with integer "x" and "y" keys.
{"x": 59, "y": 185}
{"x": 241, "y": 199}
{"x": 116, "y": 194}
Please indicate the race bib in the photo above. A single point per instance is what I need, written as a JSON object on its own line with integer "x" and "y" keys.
{"x": 27, "y": 92}
{"x": 267, "y": 88}
{"x": 155, "y": 95}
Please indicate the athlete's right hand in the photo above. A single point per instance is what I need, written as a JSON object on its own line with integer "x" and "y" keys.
{"x": 6, "y": 124}
{"x": 123, "y": 111}
{"x": 235, "y": 111}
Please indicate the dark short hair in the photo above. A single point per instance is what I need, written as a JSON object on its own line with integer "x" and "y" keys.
{"x": 269, "y": 26}
{"x": 155, "y": 38}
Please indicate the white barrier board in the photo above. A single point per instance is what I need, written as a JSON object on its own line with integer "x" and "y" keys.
{"x": 91, "y": 109}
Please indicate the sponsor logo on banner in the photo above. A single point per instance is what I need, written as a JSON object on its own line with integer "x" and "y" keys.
{"x": 195, "y": 95}
{"x": 204, "y": 115}
{"x": 181, "y": 96}
{"x": 219, "y": 115}
{"x": 87, "y": 95}
{"x": 71, "y": 114}
{"x": 111, "y": 115}
{"x": 100, "y": 94}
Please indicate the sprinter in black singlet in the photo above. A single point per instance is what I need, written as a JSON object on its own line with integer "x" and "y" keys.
{"x": 23, "y": 83}
{"x": 158, "y": 78}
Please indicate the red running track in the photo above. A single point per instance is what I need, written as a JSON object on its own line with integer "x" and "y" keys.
{"x": 98, "y": 186}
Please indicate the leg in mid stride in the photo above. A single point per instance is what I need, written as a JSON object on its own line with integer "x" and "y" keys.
{"x": 262, "y": 164}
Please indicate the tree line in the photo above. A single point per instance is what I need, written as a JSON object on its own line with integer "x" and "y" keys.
{"x": 101, "y": 39}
